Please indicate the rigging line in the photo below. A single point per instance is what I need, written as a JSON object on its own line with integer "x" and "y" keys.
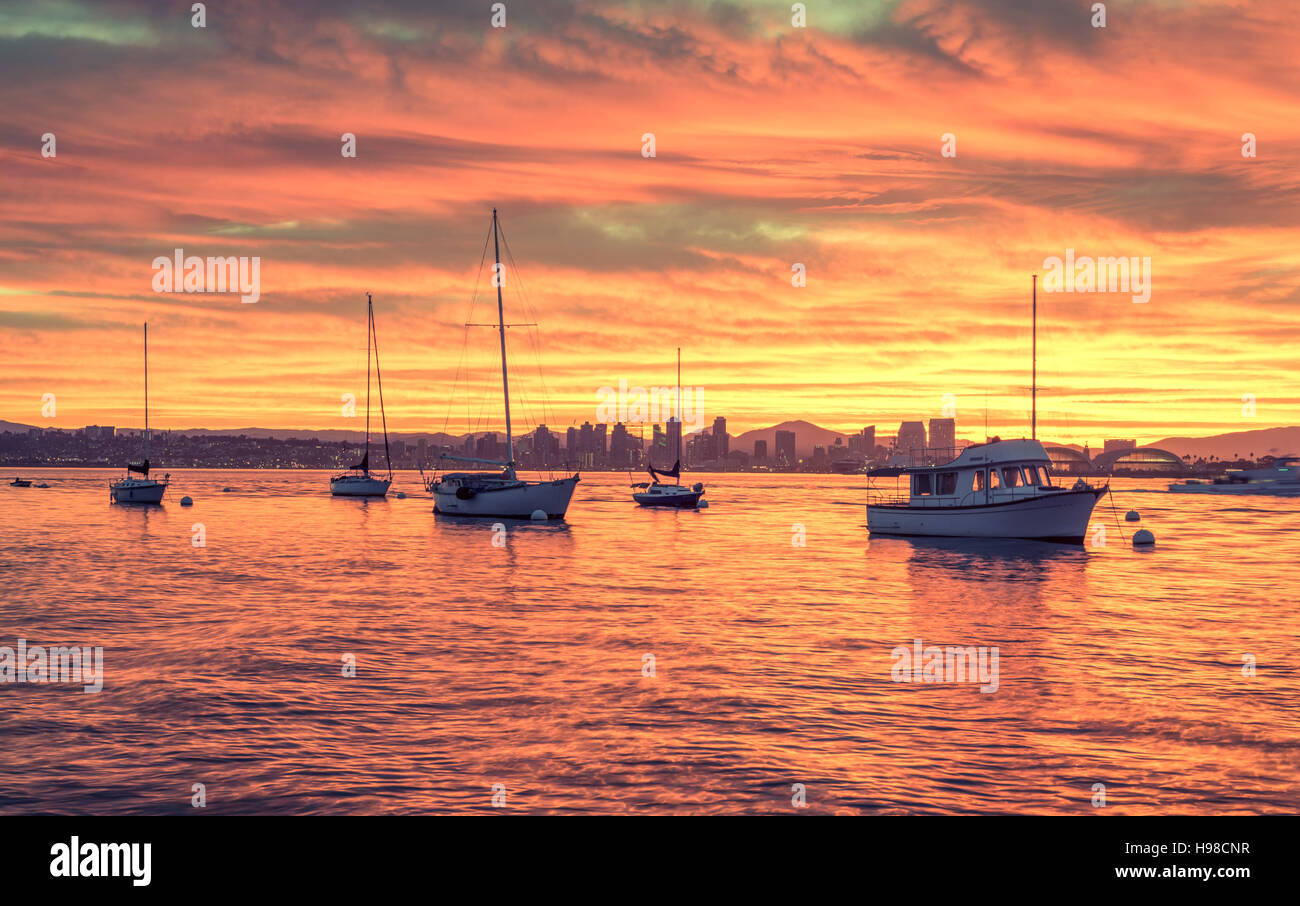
{"x": 451, "y": 404}
{"x": 388, "y": 458}
{"x": 531, "y": 313}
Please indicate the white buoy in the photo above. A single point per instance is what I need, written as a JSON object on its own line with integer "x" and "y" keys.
{"x": 1143, "y": 537}
{"x": 703, "y": 504}
{"x": 1132, "y": 516}
{"x": 539, "y": 514}
{"x": 187, "y": 501}
{"x": 401, "y": 495}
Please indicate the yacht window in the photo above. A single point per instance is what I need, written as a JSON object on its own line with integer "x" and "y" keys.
{"x": 1047, "y": 477}
{"x": 1010, "y": 476}
{"x": 947, "y": 482}
{"x": 994, "y": 482}
{"x": 921, "y": 484}
{"x": 978, "y": 483}
{"x": 1031, "y": 476}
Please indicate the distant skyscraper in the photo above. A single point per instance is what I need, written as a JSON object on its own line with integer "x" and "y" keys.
{"x": 911, "y": 436}
{"x": 869, "y": 439}
{"x": 673, "y": 437}
{"x": 760, "y": 451}
{"x": 785, "y": 449}
{"x": 620, "y": 447}
{"x": 943, "y": 433}
{"x": 722, "y": 443}
{"x": 571, "y": 451}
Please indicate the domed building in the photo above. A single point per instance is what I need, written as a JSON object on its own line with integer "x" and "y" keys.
{"x": 1140, "y": 461}
{"x": 1068, "y": 461}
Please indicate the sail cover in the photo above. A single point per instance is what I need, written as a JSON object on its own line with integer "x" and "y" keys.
{"x": 674, "y": 472}
{"x": 141, "y": 467}
{"x": 364, "y": 465}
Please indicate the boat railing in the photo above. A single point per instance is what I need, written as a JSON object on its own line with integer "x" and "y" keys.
{"x": 931, "y": 456}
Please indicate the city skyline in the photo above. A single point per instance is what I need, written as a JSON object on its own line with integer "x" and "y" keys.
{"x": 800, "y": 176}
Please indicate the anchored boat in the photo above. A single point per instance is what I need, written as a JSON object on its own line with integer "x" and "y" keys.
{"x": 1281, "y": 479}
{"x": 499, "y": 494}
{"x": 997, "y": 489}
{"x": 358, "y": 481}
{"x": 143, "y": 489}
{"x": 655, "y": 492}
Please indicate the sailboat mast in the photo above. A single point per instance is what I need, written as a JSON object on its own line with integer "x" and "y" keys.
{"x": 1033, "y": 392}
{"x": 146, "y": 391}
{"x": 501, "y": 328}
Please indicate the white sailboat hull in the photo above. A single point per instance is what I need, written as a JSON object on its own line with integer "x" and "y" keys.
{"x": 138, "y": 490}
{"x": 359, "y": 486}
{"x": 512, "y": 501}
{"x": 1060, "y": 516}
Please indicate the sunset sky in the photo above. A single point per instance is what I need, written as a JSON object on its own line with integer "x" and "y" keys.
{"x": 775, "y": 145}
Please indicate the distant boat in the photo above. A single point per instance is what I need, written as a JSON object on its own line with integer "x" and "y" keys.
{"x": 1281, "y": 479}
{"x": 143, "y": 489}
{"x": 499, "y": 495}
{"x": 997, "y": 489}
{"x": 20, "y": 483}
{"x": 358, "y": 481}
{"x": 654, "y": 492}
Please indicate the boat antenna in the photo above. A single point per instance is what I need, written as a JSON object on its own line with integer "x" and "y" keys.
{"x": 679, "y": 415}
{"x": 501, "y": 328}
{"x": 1033, "y": 392}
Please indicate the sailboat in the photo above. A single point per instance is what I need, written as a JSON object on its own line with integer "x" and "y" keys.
{"x": 997, "y": 489}
{"x": 144, "y": 489}
{"x": 358, "y": 481}
{"x": 656, "y": 493}
{"x": 499, "y": 494}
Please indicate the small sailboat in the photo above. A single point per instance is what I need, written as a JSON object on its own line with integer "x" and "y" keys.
{"x": 144, "y": 489}
{"x": 499, "y": 494}
{"x": 21, "y": 483}
{"x": 997, "y": 489}
{"x": 655, "y": 492}
{"x": 358, "y": 481}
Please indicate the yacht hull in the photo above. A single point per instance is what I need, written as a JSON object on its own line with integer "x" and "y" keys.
{"x": 1061, "y": 517}
{"x": 138, "y": 491}
{"x": 358, "y": 486}
{"x": 688, "y": 500}
{"x": 515, "y": 501}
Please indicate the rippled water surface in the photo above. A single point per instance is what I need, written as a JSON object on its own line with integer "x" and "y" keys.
{"x": 523, "y": 665}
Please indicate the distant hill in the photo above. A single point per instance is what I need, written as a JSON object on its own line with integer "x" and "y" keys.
{"x": 1260, "y": 442}
{"x": 806, "y": 436}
